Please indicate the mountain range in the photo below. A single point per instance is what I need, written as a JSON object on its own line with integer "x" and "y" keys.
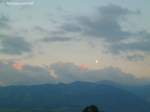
{"x": 73, "y": 97}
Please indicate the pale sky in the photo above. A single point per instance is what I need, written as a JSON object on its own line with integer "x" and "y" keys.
{"x": 94, "y": 33}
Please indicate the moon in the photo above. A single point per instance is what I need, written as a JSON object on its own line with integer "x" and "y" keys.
{"x": 96, "y": 61}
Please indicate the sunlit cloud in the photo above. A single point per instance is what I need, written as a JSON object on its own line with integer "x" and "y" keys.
{"x": 53, "y": 74}
{"x": 18, "y": 66}
{"x": 84, "y": 67}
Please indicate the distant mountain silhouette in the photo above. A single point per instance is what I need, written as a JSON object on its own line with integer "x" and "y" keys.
{"x": 72, "y": 97}
{"x": 141, "y": 91}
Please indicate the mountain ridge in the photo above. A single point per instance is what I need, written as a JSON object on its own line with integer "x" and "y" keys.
{"x": 72, "y": 97}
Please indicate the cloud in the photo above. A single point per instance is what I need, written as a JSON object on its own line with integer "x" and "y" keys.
{"x": 4, "y": 22}
{"x": 57, "y": 39}
{"x": 60, "y": 72}
{"x": 106, "y": 26}
{"x": 55, "y": 35}
{"x": 28, "y": 75}
{"x": 40, "y": 30}
{"x": 69, "y": 72}
{"x": 14, "y": 45}
{"x": 9, "y": 44}
{"x": 141, "y": 44}
{"x": 135, "y": 57}
{"x": 71, "y": 27}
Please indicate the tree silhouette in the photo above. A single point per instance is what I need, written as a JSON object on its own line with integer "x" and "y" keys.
{"x": 91, "y": 108}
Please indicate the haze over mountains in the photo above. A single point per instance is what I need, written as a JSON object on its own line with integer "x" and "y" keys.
{"x": 72, "y": 97}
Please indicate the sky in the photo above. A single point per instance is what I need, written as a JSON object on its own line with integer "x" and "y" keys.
{"x": 49, "y": 41}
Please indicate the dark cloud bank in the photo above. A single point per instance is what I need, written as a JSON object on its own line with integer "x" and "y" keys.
{"x": 4, "y": 22}
{"x": 106, "y": 25}
{"x": 12, "y": 44}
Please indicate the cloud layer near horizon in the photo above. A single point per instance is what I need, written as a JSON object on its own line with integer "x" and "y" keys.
{"x": 60, "y": 72}
{"x": 28, "y": 75}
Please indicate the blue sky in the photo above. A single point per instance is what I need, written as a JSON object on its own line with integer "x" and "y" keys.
{"x": 91, "y": 34}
